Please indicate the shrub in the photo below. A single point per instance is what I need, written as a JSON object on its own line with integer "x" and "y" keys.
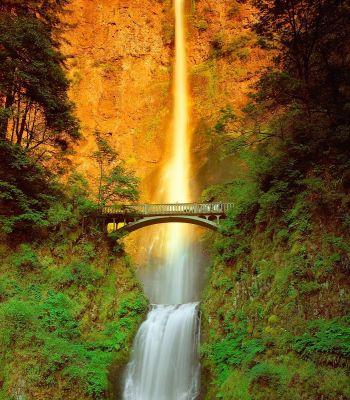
{"x": 27, "y": 190}
{"x": 238, "y": 46}
{"x": 89, "y": 250}
{"x": 16, "y": 319}
{"x": 25, "y": 259}
{"x": 202, "y": 25}
{"x": 168, "y": 33}
{"x": 79, "y": 273}
{"x": 235, "y": 349}
{"x": 3, "y": 289}
{"x": 265, "y": 374}
{"x": 236, "y": 386}
{"x": 234, "y": 9}
{"x": 59, "y": 213}
{"x": 217, "y": 46}
{"x": 325, "y": 340}
{"x": 56, "y": 316}
{"x": 131, "y": 305}
{"x": 84, "y": 274}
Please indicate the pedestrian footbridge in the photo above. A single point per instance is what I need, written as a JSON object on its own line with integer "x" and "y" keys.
{"x": 132, "y": 217}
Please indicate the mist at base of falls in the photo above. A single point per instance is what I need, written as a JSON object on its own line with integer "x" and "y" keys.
{"x": 174, "y": 271}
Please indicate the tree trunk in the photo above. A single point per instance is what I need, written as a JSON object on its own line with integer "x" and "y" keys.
{"x": 4, "y": 118}
{"x": 23, "y": 124}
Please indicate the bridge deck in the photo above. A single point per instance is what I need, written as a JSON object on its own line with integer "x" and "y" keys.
{"x": 149, "y": 210}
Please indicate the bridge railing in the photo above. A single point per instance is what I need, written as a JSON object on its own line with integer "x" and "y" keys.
{"x": 170, "y": 209}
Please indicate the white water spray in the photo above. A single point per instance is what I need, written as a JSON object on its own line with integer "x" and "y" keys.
{"x": 164, "y": 364}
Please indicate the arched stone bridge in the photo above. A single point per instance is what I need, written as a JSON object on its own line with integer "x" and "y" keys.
{"x": 130, "y": 218}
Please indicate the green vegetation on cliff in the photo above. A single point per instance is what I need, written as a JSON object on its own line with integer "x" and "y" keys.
{"x": 69, "y": 308}
{"x": 70, "y": 303}
{"x": 276, "y": 316}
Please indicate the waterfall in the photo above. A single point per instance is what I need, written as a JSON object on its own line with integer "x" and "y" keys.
{"x": 164, "y": 363}
{"x": 164, "y": 367}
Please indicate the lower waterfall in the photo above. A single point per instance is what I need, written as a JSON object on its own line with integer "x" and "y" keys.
{"x": 165, "y": 365}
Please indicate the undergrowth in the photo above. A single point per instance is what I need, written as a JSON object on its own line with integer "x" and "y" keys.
{"x": 65, "y": 317}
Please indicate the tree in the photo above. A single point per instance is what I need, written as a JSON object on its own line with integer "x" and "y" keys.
{"x": 115, "y": 182}
{"x": 312, "y": 38}
{"x": 306, "y": 91}
{"x": 48, "y": 12}
{"x": 27, "y": 190}
{"x": 35, "y": 111}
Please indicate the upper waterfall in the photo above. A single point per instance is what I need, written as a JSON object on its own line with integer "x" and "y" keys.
{"x": 176, "y": 175}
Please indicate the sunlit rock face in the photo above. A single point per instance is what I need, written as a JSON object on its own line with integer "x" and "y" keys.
{"x": 225, "y": 61}
{"x": 120, "y": 72}
{"x": 120, "y": 65}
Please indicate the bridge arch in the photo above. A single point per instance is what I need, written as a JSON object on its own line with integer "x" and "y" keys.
{"x": 149, "y": 221}
{"x": 137, "y": 216}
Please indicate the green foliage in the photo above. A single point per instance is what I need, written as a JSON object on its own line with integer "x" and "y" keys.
{"x": 283, "y": 257}
{"x": 31, "y": 198}
{"x": 78, "y": 193}
{"x": 265, "y": 373}
{"x": 79, "y": 273}
{"x": 116, "y": 183}
{"x": 132, "y": 305}
{"x": 56, "y": 316}
{"x": 217, "y": 46}
{"x": 89, "y": 250}
{"x": 73, "y": 333}
{"x": 17, "y": 319}
{"x": 49, "y": 15}
{"x": 302, "y": 50}
{"x": 235, "y": 349}
{"x": 27, "y": 190}
{"x": 36, "y": 117}
{"x": 26, "y": 259}
{"x": 168, "y": 32}
{"x": 324, "y": 338}
{"x": 226, "y": 116}
{"x": 234, "y": 9}
{"x": 237, "y": 48}
{"x": 33, "y": 85}
{"x": 59, "y": 213}
{"x": 236, "y": 386}
{"x": 119, "y": 185}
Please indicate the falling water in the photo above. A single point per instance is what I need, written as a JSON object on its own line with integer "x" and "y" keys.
{"x": 165, "y": 365}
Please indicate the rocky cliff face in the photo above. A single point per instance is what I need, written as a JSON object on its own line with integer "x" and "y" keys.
{"x": 225, "y": 61}
{"x": 119, "y": 68}
{"x": 121, "y": 55}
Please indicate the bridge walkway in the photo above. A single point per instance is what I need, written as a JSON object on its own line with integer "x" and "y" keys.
{"x": 135, "y": 216}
